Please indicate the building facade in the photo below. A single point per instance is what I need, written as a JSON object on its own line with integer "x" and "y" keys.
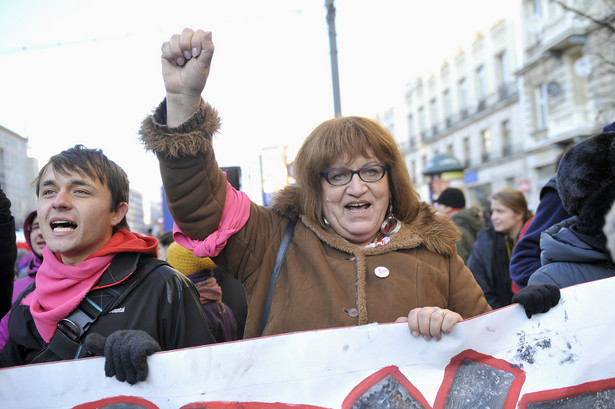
{"x": 505, "y": 108}
{"x": 17, "y": 172}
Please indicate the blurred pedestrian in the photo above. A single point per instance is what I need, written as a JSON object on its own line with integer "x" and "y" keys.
{"x": 452, "y": 202}
{"x": 490, "y": 257}
{"x": 164, "y": 241}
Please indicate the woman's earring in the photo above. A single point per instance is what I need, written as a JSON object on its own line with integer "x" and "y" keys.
{"x": 326, "y": 221}
{"x": 391, "y": 225}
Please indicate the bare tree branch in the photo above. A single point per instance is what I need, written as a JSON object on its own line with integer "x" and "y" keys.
{"x": 600, "y": 22}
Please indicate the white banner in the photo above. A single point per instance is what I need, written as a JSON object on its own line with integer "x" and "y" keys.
{"x": 562, "y": 359}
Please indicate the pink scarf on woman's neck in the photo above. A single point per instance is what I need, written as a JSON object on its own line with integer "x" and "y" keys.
{"x": 234, "y": 215}
{"x": 60, "y": 288}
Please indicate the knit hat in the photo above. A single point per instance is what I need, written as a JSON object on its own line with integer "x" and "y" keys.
{"x": 452, "y": 197}
{"x": 184, "y": 260}
{"x": 586, "y": 181}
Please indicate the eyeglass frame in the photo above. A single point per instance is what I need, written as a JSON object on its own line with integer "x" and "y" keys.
{"x": 325, "y": 174}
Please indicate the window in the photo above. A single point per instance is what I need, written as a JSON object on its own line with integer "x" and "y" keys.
{"x": 446, "y": 98}
{"x": 540, "y": 101}
{"x": 466, "y": 151}
{"x": 411, "y": 130}
{"x": 481, "y": 83}
{"x": 502, "y": 68}
{"x": 422, "y": 120}
{"x": 507, "y": 147}
{"x": 463, "y": 97}
{"x": 486, "y": 144}
{"x": 433, "y": 113}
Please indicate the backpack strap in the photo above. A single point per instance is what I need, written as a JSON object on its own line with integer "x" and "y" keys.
{"x": 279, "y": 260}
{"x": 66, "y": 342}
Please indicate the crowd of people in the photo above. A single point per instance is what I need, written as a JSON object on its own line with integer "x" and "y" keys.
{"x": 351, "y": 243}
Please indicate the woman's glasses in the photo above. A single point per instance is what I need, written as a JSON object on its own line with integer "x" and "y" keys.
{"x": 342, "y": 176}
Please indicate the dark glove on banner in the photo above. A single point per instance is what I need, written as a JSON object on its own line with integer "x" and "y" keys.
{"x": 537, "y": 298}
{"x": 125, "y": 352}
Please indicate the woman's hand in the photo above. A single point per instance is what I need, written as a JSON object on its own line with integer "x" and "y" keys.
{"x": 186, "y": 60}
{"x": 430, "y": 322}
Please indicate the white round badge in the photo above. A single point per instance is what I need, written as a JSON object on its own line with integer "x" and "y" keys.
{"x": 381, "y": 272}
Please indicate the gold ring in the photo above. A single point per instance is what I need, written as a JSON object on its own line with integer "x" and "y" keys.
{"x": 442, "y": 313}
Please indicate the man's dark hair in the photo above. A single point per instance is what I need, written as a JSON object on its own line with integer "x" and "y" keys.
{"x": 94, "y": 164}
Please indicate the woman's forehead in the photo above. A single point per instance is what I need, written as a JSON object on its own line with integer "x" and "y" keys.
{"x": 346, "y": 158}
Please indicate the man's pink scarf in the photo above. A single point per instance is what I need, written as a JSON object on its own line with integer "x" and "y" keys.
{"x": 234, "y": 216}
{"x": 60, "y": 288}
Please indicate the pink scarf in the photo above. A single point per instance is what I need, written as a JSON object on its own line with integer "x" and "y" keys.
{"x": 234, "y": 216}
{"x": 60, "y": 288}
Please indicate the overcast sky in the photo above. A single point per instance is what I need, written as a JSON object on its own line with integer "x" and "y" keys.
{"x": 83, "y": 71}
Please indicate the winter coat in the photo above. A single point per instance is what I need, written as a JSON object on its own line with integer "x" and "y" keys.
{"x": 165, "y": 304}
{"x": 525, "y": 258}
{"x": 18, "y": 286}
{"x": 469, "y": 224}
{"x": 569, "y": 257}
{"x": 8, "y": 253}
{"x": 325, "y": 281}
{"x": 489, "y": 262}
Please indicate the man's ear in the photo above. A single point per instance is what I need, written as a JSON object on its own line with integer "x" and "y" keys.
{"x": 119, "y": 213}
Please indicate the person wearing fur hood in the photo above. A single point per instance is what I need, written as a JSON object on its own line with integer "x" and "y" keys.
{"x": 364, "y": 248}
{"x": 574, "y": 250}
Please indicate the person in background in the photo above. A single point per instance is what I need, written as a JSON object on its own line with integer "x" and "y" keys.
{"x": 8, "y": 253}
{"x": 452, "y": 202}
{"x": 574, "y": 250}
{"x": 36, "y": 243}
{"x": 526, "y": 254}
{"x": 200, "y": 271}
{"x": 164, "y": 241}
{"x": 93, "y": 264}
{"x": 363, "y": 249}
{"x": 490, "y": 257}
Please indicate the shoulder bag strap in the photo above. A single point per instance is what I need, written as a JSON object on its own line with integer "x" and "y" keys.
{"x": 279, "y": 260}
{"x": 66, "y": 341}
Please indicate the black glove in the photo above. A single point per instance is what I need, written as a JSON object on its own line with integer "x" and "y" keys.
{"x": 537, "y": 298}
{"x": 125, "y": 352}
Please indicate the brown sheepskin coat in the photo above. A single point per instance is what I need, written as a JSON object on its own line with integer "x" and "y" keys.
{"x": 325, "y": 281}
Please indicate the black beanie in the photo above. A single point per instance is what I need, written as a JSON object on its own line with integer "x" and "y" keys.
{"x": 586, "y": 181}
{"x": 452, "y": 197}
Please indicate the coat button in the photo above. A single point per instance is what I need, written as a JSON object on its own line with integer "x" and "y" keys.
{"x": 381, "y": 272}
{"x": 353, "y": 312}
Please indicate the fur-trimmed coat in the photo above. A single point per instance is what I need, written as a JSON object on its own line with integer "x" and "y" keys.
{"x": 325, "y": 281}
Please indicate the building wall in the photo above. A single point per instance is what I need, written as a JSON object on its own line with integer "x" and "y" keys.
{"x": 543, "y": 95}
{"x": 17, "y": 171}
{"x": 451, "y": 110}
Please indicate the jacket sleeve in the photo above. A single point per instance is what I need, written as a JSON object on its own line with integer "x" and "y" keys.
{"x": 8, "y": 253}
{"x": 466, "y": 297}
{"x": 195, "y": 188}
{"x": 526, "y": 254}
{"x": 478, "y": 263}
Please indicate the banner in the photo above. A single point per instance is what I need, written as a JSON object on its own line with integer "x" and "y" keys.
{"x": 562, "y": 359}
